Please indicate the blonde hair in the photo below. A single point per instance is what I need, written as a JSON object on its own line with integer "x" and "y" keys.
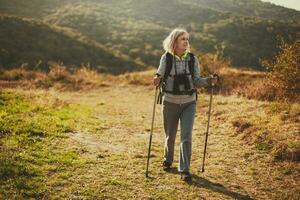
{"x": 170, "y": 41}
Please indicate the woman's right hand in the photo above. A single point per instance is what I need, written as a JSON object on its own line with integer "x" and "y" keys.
{"x": 156, "y": 80}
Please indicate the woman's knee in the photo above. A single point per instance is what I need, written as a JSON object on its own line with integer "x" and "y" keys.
{"x": 186, "y": 137}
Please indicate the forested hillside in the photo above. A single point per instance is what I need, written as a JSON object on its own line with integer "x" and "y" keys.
{"x": 34, "y": 44}
{"x": 243, "y": 31}
{"x": 255, "y": 8}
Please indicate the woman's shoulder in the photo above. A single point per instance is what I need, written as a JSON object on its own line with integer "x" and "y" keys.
{"x": 192, "y": 55}
{"x": 163, "y": 56}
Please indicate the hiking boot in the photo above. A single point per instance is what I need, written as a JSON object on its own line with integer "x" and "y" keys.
{"x": 186, "y": 176}
{"x": 166, "y": 165}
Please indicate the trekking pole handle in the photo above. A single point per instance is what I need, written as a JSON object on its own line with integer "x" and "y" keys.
{"x": 213, "y": 77}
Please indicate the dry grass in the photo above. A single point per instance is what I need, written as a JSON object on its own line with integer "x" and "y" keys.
{"x": 113, "y": 141}
{"x": 58, "y": 77}
{"x": 242, "y": 82}
{"x": 259, "y": 172}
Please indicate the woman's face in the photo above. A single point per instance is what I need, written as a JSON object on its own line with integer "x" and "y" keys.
{"x": 182, "y": 42}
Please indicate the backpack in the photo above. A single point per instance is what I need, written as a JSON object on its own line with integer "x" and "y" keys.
{"x": 169, "y": 64}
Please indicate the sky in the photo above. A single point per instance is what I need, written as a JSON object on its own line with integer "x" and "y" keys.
{"x": 295, "y": 4}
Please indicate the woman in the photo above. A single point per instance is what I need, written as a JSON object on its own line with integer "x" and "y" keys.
{"x": 179, "y": 81}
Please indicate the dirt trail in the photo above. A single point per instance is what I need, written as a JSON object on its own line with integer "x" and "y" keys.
{"x": 233, "y": 169}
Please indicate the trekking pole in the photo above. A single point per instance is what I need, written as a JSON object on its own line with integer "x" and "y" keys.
{"x": 207, "y": 127}
{"x": 151, "y": 131}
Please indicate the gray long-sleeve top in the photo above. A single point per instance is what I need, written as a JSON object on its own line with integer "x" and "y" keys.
{"x": 181, "y": 68}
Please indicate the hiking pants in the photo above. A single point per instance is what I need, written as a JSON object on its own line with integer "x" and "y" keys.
{"x": 172, "y": 114}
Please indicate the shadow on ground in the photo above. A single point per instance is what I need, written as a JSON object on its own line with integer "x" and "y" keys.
{"x": 216, "y": 187}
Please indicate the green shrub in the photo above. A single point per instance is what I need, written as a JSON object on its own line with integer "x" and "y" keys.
{"x": 284, "y": 71}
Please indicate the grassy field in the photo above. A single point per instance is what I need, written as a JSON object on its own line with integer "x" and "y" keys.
{"x": 91, "y": 142}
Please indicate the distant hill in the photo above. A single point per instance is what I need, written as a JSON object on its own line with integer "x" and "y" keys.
{"x": 36, "y": 43}
{"x": 254, "y": 8}
{"x": 244, "y": 31}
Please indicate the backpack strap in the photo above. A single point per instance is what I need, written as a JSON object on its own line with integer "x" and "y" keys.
{"x": 169, "y": 62}
{"x": 191, "y": 64}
